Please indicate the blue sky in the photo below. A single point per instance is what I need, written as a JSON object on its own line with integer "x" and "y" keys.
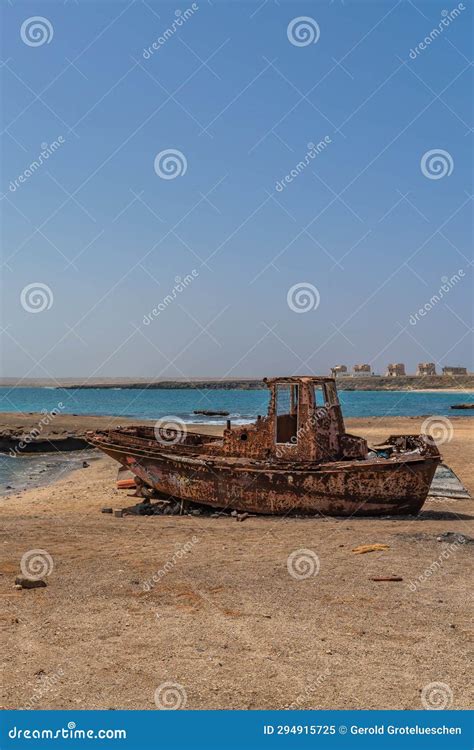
{"x": 105, "y": 236}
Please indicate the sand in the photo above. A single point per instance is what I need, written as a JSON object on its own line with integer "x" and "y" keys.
{"x": 226, "y": 621}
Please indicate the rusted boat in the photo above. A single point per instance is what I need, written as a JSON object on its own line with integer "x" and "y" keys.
{"x": 297, "y": 459}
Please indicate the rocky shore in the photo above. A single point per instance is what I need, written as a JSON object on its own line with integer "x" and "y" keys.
{"x": 349, "y": 383}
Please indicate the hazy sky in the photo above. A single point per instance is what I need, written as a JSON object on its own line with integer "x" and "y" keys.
{"x": 364, "y": 232}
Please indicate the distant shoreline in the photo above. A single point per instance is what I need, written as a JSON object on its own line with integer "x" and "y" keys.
{"x": 433, "y": 383}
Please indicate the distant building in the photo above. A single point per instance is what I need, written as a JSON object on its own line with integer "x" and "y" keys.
{"x": 396, "y": 370}
{"x": 426, "y": 368}
{"x": 339, "y": 370}
{"x": 362, "y": 368}
{"x": 454, "y": 370}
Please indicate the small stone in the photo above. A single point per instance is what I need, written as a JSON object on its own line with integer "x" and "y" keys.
{"x": 29, "y": 583}
{"x": 234, "y": 514}
{"x": 85, "y": 464}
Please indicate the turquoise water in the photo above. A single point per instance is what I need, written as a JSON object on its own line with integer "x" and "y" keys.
{"x": 242, "y": 405}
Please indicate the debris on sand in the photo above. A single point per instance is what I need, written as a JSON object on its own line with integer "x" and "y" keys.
{"x": 29, "y": 583}
{"x": 454, "y": 536}
{"x": 386, "y": 578}
{"x": 363, "y": 548}
{"x": 242, "y": 516}
{"x": 210, "y": 413}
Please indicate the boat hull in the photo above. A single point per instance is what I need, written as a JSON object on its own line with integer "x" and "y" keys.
{"x": 361, "y": 488}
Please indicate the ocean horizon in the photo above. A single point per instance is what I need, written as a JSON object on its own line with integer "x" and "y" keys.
{"x": 242, "y": 405}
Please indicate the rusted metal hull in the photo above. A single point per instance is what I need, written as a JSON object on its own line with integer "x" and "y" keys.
{"x": 394, "y": 486}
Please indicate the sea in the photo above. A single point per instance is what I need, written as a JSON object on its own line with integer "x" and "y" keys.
{"x": 242, "y": 405}
{"x": 153, "y": 403}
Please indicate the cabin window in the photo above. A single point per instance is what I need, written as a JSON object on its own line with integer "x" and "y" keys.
{"x": 286, "y": 397}
{"x": 330, "y": 394}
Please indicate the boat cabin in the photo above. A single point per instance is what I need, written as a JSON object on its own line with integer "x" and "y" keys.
{"x": 304, "y": 423}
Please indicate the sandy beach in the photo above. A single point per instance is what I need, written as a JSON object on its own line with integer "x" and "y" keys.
{"x": 226, "y": 621}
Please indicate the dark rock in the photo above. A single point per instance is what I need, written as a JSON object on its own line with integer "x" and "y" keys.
{"x": 85, "y": 464}
{"x": 29, "y": 583}
{"x": 455, "y": 536}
